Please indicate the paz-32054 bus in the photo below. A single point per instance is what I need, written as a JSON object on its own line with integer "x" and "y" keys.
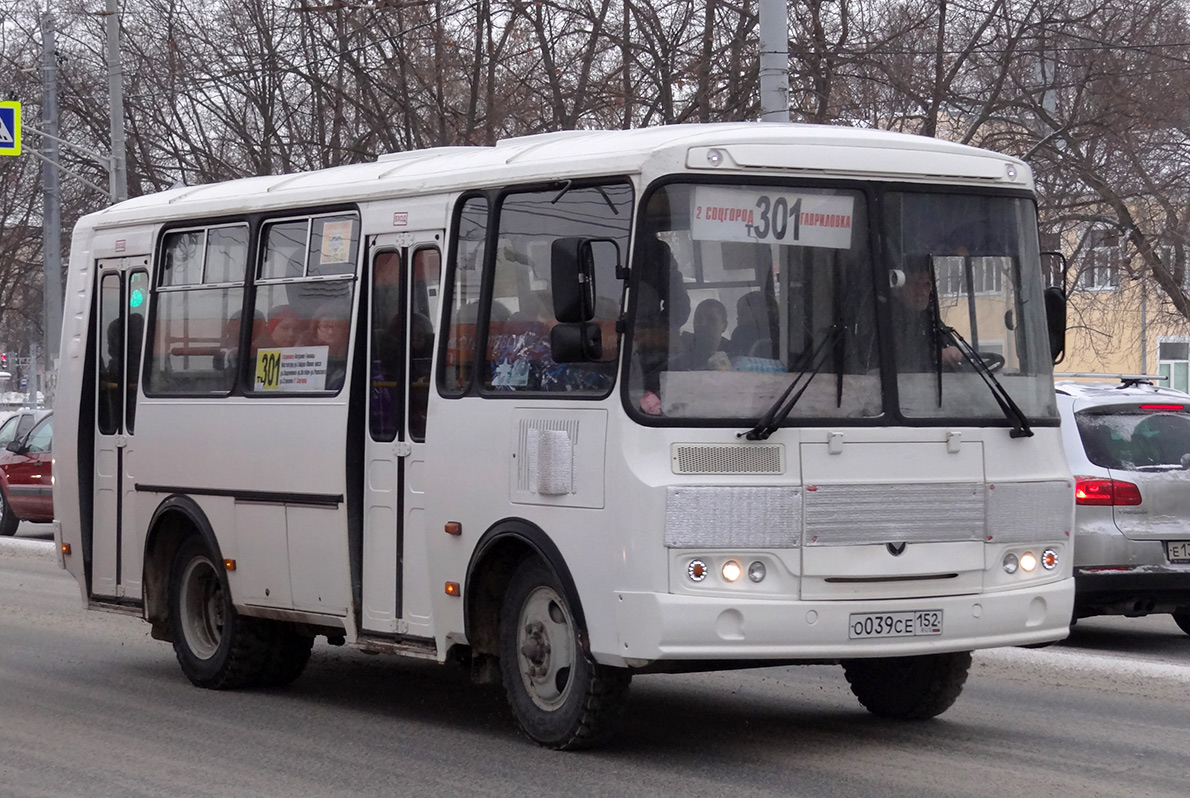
{"x": 573, "y": 407}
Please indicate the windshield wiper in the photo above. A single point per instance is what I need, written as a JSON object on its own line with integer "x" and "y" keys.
{"x": 1020, "y": 424}
{"x": 771, "y": 421}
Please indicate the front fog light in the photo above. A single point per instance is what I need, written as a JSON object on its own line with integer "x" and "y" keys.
{"x": 756, "y": 571}
{"x": 1049, "y": 559}
{"x": 696, "y": 570}
{"x": 732, "y": 571}
{"x": 1028, "y": 561}
{"x": 1011, "y": 563}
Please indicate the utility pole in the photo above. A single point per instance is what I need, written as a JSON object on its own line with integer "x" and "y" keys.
{"x": 774, "y": 61}
{"x": 115, "y": 88}
{"x": 52, "y": 207}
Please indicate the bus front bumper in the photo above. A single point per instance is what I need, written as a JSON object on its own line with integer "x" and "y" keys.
{"x": 668, "y": 626}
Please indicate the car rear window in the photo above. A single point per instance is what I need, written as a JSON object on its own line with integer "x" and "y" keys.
{"x": 1135, "y": 439}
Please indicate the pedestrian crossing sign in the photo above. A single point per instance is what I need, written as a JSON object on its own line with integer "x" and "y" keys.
{"x": 10, "y": 128}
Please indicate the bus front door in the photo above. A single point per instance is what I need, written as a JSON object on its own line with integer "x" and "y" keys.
{"x": 404, "y": 273}
{"x": 123, "y": 289}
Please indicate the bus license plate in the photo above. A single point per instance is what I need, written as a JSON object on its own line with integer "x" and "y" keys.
{"x": 1179, "y": 550}
{"x": 915, "y": 623}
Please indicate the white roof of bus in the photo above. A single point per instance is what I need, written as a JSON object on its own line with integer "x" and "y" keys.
{"x": 572, "y": 153}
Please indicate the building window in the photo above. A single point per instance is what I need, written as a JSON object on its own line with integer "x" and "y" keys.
{"x": 1101, "y": 264}
{"x": 1173, "y": 362}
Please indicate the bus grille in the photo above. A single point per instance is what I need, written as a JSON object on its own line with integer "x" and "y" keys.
{"x": 732, "y": 517}
{"x": 934, "y": 512}
{"x": 727, "y": 458}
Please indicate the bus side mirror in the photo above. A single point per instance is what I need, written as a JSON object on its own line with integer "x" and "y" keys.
{"x": 572, "y": 276}
{"x": 574, "y": 262}
{"x": 576, "y": 342}
{"x": 1055, "y": 320}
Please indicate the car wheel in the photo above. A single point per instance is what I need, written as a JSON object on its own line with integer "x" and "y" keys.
{"x": 8, "y": 520}
{"x": 560, "y": 697}
{"x": 216, "y": 646}
{"x": 908, "y": 688}
{"x": 1182, "y": 619}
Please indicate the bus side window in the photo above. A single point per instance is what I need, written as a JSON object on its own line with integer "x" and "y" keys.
{"x": 458, "y": 348}
{"x": 426, "y": 267}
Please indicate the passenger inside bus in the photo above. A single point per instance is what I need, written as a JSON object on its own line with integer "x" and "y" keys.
{"x": 329, "y": 329}
{"x": 285, "y": 327}
{"x": 919, "y": 347}
{"x": 705, "y": 349}
{"x": 756, "y": 326}
{"x": 227, "y": 358}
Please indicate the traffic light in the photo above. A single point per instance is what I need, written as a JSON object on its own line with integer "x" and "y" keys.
{"x": 3, "y": 360}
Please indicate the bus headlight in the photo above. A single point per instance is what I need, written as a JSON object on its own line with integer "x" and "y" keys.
{"x": 732, "y": 571}
{"x": 1028, "y": 562}
{"x": 1011, "y": 563}
{"x": 757, "y": 571}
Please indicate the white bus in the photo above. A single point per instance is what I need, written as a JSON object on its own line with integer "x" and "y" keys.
{"x": 574, "y": 407}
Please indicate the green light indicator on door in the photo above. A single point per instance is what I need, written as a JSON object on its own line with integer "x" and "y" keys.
{"x": 137, "y": 299}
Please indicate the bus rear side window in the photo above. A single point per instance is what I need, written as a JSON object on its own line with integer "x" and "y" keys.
{"x": 197, "y": 331}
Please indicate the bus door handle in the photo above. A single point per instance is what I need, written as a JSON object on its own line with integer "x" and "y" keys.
{"x": 121, "y": 441}
{"x": 402, "y": 449}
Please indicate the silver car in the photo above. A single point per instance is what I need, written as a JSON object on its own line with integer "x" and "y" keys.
{"x": 1128, "y": 444}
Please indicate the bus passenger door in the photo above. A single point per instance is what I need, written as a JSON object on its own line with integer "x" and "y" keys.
{"x": 404, "y": 273}
{"x": 123, "y": 295}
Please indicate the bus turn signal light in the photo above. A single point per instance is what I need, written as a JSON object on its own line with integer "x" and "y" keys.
{"x": 452, "y": 589}
{"x": 66, "y": 549}
{"x": 454, "y": 528}
{"x": 229, "y": 565}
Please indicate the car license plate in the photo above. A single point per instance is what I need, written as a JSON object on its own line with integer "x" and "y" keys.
{"x": 914, "y": 623}
{"x": 1179, "y": 550}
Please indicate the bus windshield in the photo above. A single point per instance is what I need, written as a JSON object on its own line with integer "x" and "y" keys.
{"x": 742, "y": 293}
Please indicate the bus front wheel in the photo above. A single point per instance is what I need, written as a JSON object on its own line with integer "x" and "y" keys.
{"x": 560, "y": 697}
{"x": 908, "y": 688}
{"x": 216, "y": 646}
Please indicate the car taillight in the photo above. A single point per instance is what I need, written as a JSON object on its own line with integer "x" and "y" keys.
{"x": 1105, "y": 492}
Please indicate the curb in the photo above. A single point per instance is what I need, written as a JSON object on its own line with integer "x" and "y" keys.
{"x": 28, "y": 549}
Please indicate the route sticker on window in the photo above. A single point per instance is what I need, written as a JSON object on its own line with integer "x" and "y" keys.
{"x": 292, "y": 369}
{"x": 336, "y": 242}
{"x": 767, "y": 215}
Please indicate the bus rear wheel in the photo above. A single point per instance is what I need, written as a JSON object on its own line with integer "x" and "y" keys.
{"x": 560, "y": 697}
{"x": 216, "y": 646}
{"x": 908, "y": 688}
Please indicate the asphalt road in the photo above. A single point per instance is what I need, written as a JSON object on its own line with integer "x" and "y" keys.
{"x": 91, "y": 706}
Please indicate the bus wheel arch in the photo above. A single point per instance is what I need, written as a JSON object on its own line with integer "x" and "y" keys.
{"x": 175, "y": 519}
{"x": 524, "y": 605}
{"x": 500, "y": 551}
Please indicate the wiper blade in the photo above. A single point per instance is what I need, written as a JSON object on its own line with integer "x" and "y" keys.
{"x": 1012, "y": 411}
{"x": 771, "y": 421}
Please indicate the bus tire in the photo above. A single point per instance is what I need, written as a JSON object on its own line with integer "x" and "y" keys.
{"x": 908, "y": 688}
{"x": 289, "y": 652}
{"x": 8, "y": 520}
{"x": 217, "y": 647}
{"x": 560, "y": 697}
{"x": 1182, "y": 619}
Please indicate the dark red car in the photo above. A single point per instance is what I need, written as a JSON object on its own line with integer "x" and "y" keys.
{"x": 26, "y": 469}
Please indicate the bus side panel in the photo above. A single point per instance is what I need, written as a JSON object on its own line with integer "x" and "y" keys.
{"x": 73, "y": 443}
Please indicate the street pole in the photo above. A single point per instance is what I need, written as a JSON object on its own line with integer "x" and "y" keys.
{"x": 774, "y": 61}
{"x": 52, "y": 205}
{"x": 115, "y": 88}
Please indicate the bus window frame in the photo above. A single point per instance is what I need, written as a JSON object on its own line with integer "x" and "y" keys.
{"x": 475, "y": 385}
